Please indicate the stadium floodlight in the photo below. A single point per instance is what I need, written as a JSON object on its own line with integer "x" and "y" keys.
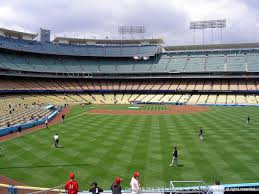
{"x": 208, "y": 24}
{"x": 137, "y": 29}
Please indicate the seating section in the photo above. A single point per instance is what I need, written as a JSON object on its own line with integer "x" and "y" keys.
{"x": 78, "y": 50}
{"x": 162, "y": 63}
{"x": 33, "y": 104}
{"x": 22, "y": 109}
{"x": 43, "y": 84}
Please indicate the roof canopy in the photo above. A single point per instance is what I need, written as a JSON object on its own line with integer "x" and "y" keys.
{"x": 107, "y": 41}
{"x": 17, "y": 34}
{"x": 212, "y": 47}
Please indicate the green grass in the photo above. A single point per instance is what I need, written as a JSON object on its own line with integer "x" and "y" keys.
{"x": 102, "y": 147}
{"x": 113, "y": 107}
{"x": 126, "y": 107}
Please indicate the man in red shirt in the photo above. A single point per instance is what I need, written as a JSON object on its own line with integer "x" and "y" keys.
{"x": 72, "y": 185}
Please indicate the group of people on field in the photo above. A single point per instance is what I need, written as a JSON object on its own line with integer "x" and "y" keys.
{"x": 72, "y": 186}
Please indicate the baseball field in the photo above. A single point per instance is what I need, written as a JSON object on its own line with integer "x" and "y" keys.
{"x": 101, "y": 142}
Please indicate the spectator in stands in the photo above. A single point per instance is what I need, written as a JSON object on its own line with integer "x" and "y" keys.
{"x": 56, "y": 140}
{"x": 8, "y": 124}
{"x": 135, "y": 183}
{"x": 175, "y": 158}
{"x": 116, "y": 186}
{"x": 72, "y": 186}
{"x": 217, "y": 188}
{"x": 95, "y": 189}
{"x": 46, "y": 123}
{"x": 63, "y": 118}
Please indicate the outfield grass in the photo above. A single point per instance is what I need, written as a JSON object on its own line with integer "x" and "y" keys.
{"x": 102, "y": 147}
{"x": 152, "y": 107}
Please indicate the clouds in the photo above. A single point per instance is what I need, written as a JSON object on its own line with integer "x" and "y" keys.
{"x": 168, "y": 19}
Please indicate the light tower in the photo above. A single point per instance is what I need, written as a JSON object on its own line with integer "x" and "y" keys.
{"x": 207, "y": 24}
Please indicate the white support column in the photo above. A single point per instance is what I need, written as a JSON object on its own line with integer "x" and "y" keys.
{"x": 225, "y": 63}
{"x": 246, "y": 66}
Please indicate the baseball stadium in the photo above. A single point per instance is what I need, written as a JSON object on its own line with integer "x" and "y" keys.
{"x": 122, "y": 105}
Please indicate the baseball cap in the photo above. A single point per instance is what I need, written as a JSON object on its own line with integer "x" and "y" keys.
{"x": 72, "y": 175}
{"x": 136, "y": 174}
{"x": 118, "y": 180}
{"x": 94, "y": 184}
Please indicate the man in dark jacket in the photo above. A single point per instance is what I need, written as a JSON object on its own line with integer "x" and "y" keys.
{"x": 175, "y": 158}
{"x": 63, "y": 118}
{"x": 95, "y": 189}
{"x": 116, "y": 187}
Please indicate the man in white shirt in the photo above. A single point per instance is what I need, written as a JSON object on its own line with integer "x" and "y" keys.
{"x": 56, "y": 140}
{"x": 135, "y": 184}
{"x": 217, "y": 188}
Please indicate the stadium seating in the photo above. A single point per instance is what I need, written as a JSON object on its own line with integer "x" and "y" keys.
{"x": 251, "y": 99}
{"x": 240, "y": 99}
{"x": 221, "y": 99}
{"x": 22, "y": 109}
{"x": 119, "y": 74}
{"x": 215, "y": 62}
{"x": 202, "y": 99}
{"x": 252, "y": 62}
{"x": 78, "y": 50}
{"x": 178, "y": 85}
{"x": 193, "y": 99}
{"x": 231, "y": 99}
{"x": 164, "y": 63}
{"x": 236, "y": 62}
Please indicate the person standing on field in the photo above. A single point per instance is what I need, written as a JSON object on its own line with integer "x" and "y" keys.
{"x": 217, "y": 188}
{"x": 201, "y": 134}
{"x": 95, "y": 189}
{"x": 19, "y": 131}
{"x": 56, "y": 140}
{"x": 175, "y": 158}
{"x": 135, "y": 183}
{"x": 46, "y": 123}
{"x": 63, "y": 118}
{"x": 72, "y": 186}
{"x": 116, "y": 186}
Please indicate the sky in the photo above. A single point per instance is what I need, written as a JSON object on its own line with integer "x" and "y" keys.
{"x": 167, "y": 19}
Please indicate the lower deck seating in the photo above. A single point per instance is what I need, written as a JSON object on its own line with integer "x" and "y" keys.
{"x": 17, "y": 109}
